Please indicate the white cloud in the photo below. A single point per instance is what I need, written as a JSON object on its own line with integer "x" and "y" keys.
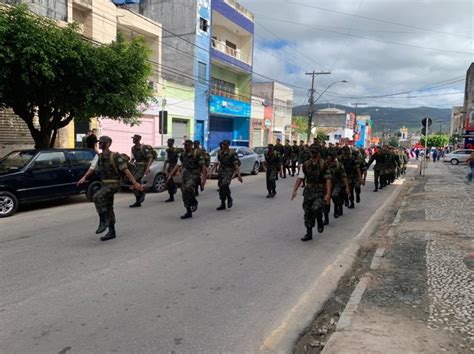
{"x": 372, "y": 67}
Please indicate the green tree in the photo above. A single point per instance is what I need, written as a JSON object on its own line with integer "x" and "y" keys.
{"x": 54, "y": 74}
{"x": 436, "y": 140}
{"x": 394, "y": 142}
{"x": 321, "y": 134}
{"x": 300, "y": 125}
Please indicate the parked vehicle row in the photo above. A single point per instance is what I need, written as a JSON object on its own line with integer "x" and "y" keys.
{"x": 457, "y": 156}
{"x": 28, "y": 176}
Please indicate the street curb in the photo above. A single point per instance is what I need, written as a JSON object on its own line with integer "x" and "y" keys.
{"x": 283, "y": 338}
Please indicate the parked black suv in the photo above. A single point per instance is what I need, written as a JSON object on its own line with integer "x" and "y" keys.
{"x": 34, "y": 175}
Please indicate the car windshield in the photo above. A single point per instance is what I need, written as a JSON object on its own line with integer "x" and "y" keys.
{"x": 161, "y": 154}
{"x": 260, "y": 149}
{"x": 16, "y": 160}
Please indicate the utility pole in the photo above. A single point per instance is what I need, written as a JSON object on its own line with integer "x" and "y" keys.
{"x": 356, "y": 104}
{"x": 311, "y": 99}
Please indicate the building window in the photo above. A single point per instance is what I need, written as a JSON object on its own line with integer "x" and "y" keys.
{"x": 202, "y": 67}
{"x": 231, "y": 48}
{"x": 203, "y": 24}
{"x": 222, "y": 88}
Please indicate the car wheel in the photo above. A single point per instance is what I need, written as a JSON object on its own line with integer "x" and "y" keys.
{"x": 454, "y": 162}
{"x": 256, "y": 169}
{"x": 8, "y": 204}
{"x": 159, "y": 183}
{"x": 92, "y": 189}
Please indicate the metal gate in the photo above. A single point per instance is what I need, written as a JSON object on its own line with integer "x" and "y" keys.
{"x": 180, "y": 129}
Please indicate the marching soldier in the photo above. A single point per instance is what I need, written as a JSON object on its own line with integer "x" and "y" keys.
{"x": 379, "y": 158}
{"x": 197, "y": 149}
{"x": 171, "y": 160}
{"x": 110, "y": 165}
{"x": 272, "y": 166}
{"x": 354, "y": 176}
{"x": 194, "y": 169}
{"x": 339, "y": 184}
{"x": 286, "y": 158}
{"x": 317, "y": 176}
{"x": 295, "y": 152}
{"x": 142, "y": 157}
{"x": 228, "y": 166}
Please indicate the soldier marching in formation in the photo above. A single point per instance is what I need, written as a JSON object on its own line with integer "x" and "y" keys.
{"x": 327, "y": 173}
{"x": 142, "y": 158}
{"x": 273, "y": 166}
{"x": 111, "y": 166}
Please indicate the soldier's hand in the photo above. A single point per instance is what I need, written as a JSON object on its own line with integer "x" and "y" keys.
{"x": 363, "y": 182}
{"x": 81, "y": 181}
{"x": 138, "y": 186}
{"x": 293, "y": 195}
{"x": 348, "y": 192}
{"x": 327, "y": 198}
{"x": 147, "y": 172}
{"x": 239, "y": 177}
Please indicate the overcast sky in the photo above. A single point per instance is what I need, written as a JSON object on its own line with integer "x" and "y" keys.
{"x": 379, "y": 46}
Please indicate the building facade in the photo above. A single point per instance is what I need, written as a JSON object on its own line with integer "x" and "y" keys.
{"x": 336, "y": 123}
{"x": 231, "y": 73}
{"x": 279, "y": 100}
{"x": 468, "y": 109}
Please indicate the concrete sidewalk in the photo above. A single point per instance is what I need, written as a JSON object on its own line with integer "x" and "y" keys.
{"x": 418, "y": 296}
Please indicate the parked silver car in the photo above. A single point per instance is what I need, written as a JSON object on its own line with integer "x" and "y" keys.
{"x": 457, "y": 156}
{"x": 156, "y": 180}
{"x": 249, "y": 160}
{"x": 260, "y": 150}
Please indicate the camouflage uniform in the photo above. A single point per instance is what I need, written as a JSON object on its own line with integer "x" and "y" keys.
{"x": 295, "y": 152}
{"x": 286, "y": 159}
{"x": 228, "y": 162}
{"x": 111, "y": 181}
{"x": 272, "y": 163}
{"x": 338, "y": 174}
{"x": 172, "y": 156}
{"x": 142, "y": 154}
{"x": 315, "y": 175}
{"x": 192, "y": 163}
{"x": 379, "y": 158}
{"x": 351, "y": 166}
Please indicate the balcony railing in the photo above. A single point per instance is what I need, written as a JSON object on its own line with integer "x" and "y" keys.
{"x": 241, "y": 9}
{"x": 232, "y": 96}
{"x": 236, "y": 53}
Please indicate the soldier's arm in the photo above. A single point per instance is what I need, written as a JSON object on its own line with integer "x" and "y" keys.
{"x": 297, "y": 185}
{"x": 237, "y": 170}
{"x": 89, "y": 173}
{"x": 150, "y": 161}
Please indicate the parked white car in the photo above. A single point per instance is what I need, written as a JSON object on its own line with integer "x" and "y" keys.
{"x": 457, "y": 156}
{"x": 156, "y": 180}
{"x": 250, "y": 163}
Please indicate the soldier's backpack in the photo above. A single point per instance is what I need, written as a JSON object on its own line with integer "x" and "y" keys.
{"x": 149, "y": 147}
{"x": 130, "y": 166}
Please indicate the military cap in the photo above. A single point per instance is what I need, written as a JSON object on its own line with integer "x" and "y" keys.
{"x": 226, "y": 141}
{"x": 139, "y": 137}
{"x": 345, "y": 148}
{"x": 105, "y": 139}
{"x": 171, "y": 140}
{"x": 188, "y": 142}
{"x": 270, "y": 145}
{"x": 197, "y": 142}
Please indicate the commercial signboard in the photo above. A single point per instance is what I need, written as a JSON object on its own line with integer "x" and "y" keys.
{"x": 228, "y": 107}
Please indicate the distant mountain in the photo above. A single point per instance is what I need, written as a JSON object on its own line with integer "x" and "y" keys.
{"x": 394, "y": 118}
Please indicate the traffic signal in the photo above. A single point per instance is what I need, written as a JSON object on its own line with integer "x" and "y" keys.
{"x": 163, "y": 126}
{"x": 424, "y": 131}
{"x": 426, "y": 121}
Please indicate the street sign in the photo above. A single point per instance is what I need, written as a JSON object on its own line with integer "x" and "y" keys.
{"x": 427, "y": 120}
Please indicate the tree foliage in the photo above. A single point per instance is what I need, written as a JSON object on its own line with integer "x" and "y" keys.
{"x": 54, "y": 74}
{"x": 436, "y": 140}
{"x": 300, "y": 125}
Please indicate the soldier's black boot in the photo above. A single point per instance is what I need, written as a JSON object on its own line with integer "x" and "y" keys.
{"x": 376, "y": 187}
{"x": 309, "y": 234}
{"x": 357, "y": 197}
{"x": 141, "y": 197}
{"x": 188, "y": 214}
{"x": 336, "y": 211}
{"x": 319, "y": 220}
{"x": 194, "y": 207}
{"x": 341, "y": 210}
{"x": 351, "y": 206}
{"x": 274, "y": 192}
{"x": 222, "y": 206}
{"x": 230, "y": 202}
{"x": 269, "y": 193}
{"x": 170, "y": 199}
{"x": 327, "y": 210}
{"x": 137, "y": 203}
{"x": 110, "y": 235}
{"x": 102, "y": 223}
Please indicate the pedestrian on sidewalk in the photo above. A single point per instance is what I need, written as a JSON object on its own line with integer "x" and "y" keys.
{"x": 470, "y": 168}
{"x": 111, "y": 166}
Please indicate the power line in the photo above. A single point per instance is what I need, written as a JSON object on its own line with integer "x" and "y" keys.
{"x": 380, "y": 20}
{"x": 320, "y": 28}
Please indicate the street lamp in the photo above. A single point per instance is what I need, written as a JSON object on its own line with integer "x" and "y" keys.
{"x": 310, "y": 120}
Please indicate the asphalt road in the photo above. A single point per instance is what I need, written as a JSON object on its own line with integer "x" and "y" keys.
{"x": 221, "y": 281}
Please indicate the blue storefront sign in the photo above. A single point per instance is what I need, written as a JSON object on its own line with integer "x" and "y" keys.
{"x": 228, "y": 107}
